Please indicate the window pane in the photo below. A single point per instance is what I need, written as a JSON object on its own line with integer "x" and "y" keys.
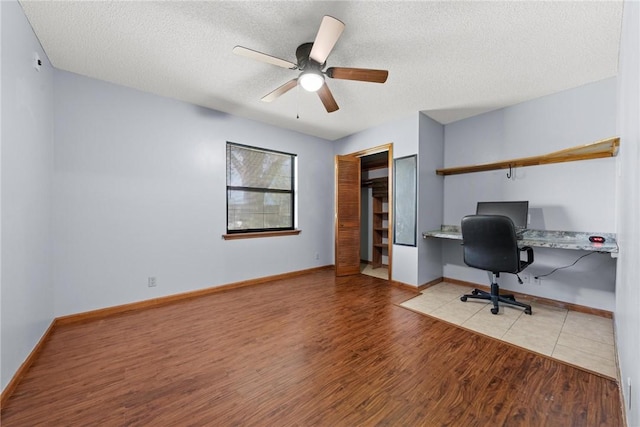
{"x": 257, "y": 210}
{"x": 260, "y": 189}
{"x": 248, "y": 167}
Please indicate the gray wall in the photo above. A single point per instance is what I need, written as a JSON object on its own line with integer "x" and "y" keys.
{"x": 430, "y": 197}
{"x": 627, "y": 313}
{"x": 140, "y": 190}
{"x": 561, "y": 196}
{"x": 403, "y": 133}
{"x": 26, "y": 170}
{"x": 416, "y": 134}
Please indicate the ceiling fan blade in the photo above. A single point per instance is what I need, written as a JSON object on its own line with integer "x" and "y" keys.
{"x": 259, "y": 56}
{"x": 360, "y": 74}
{"x": 328, "y": 34}
{"x": 280, "y": 91}
{"x": 327, "y": 99}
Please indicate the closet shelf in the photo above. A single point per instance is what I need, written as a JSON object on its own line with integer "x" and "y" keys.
{"x": 595, "y": 150}
{"x": 379, "y": 193}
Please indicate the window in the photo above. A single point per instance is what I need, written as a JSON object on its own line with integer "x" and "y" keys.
{"x": 260, "y": 189}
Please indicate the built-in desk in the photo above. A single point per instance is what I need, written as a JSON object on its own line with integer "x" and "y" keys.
{"x": 577, "y": 240}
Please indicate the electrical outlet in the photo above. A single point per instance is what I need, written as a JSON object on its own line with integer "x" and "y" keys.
{"x": 537, "y": 281}
{"x": 151, "y": 282}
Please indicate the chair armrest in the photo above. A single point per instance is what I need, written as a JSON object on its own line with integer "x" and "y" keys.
{"x": 529, "y": 250}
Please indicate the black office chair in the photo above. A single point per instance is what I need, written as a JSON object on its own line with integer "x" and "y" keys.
{"x": 490, "y": 243}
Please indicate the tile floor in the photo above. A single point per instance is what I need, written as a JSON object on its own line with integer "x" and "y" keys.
{"x": 580, "y": 339}
{"x": 380, "y": 273}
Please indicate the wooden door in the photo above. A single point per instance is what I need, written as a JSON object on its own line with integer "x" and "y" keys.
{"x": 347, "y": 251}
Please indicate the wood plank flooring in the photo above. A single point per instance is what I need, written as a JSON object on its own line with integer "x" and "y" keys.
{"x": 309, "y": 350}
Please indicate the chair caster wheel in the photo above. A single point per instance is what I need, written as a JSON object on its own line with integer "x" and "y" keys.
{"x": 475, "y": 292}
{"x": 463, "y": 298}
{"x": 494, "y": 310}
{"x": 527, "y": 311}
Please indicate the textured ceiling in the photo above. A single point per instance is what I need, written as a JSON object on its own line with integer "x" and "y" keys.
{"x": 450, "y": 60}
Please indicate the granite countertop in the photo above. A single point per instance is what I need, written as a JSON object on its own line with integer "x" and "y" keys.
{"x": 578, "y": 240}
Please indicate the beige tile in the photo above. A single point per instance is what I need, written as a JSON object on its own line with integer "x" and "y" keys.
{"x": 577, "y": 338}
{"x": 457, "y": 311}
{"x": 514, "y": 310}
{"x": 540, "y": 344}
{"x": 442, "y": 297}
{"x": 585, "y": 360}
{"x": 494, "y": 325}
{"x": 589, "y": 326}
{"x": 540, "y": 322}
{"x": 536, "y": 332}
{"x": 448, "y": 289}
{"x": 380, "y": 273}
{"x": 526, "y": 333}
{"x": 426, "y": 303}
{"x": 591, "y": 319}
{"x": 436, "y": 297}
{"x": 585, "y": 345}
{"x": 545, "y": 314}
{"x": 506, "y": 313}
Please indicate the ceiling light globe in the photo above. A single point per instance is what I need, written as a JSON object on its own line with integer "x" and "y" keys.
{"x": 311, "y": 81}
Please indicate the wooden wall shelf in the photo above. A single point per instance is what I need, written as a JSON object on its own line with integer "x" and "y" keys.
{"x": 595, "y": 150}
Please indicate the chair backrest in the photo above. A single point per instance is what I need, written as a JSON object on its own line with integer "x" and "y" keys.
{"x": 489, "y": 243}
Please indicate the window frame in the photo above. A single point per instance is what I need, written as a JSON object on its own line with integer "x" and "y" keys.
{"x": 261, "y": 232}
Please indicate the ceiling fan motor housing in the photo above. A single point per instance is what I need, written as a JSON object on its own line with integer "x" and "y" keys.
{"x": 304, "y": 62}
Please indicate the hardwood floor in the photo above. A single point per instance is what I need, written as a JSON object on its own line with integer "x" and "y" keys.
{"x": 310, "y": 350}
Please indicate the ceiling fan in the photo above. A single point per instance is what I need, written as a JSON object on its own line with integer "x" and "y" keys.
{"x": 311, "y": 60}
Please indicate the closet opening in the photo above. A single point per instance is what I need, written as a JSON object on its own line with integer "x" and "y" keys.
{"x": 375, "y": 215}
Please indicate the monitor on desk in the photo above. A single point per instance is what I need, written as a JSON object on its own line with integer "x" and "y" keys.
{"x": 517, "y": 211}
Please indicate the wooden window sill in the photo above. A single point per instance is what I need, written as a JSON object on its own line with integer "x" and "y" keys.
{"x": 259, "y": 234}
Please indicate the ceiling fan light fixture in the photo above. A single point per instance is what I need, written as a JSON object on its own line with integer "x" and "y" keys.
{"x": 311, "y": 80}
